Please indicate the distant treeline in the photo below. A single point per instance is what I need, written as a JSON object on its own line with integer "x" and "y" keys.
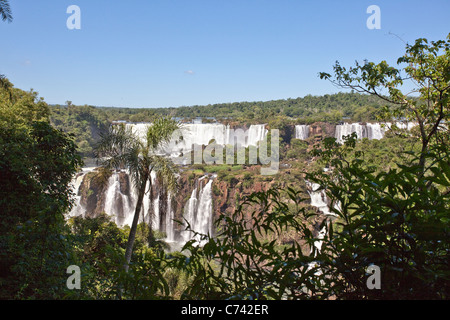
{"x": 86, "y": 122}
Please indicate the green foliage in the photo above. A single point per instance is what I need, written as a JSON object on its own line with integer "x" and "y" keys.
{"x": 397, "y": 219}
{"x": 87, "y": 122}
{"x": 242, "y": 263}
{"x": 37, "y": 163}
{"x": 84, "y": 122}
{"x": 427, "y": 70}
{"x": 100, "y": 247}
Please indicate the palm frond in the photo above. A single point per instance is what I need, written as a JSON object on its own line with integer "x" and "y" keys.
{"x": 5, "y": 11}
{"x": 166, "y": 171}
{"x": 161, "y": 132}
{"x": 116, "y": 146}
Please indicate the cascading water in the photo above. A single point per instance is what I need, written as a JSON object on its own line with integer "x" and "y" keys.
{"x": 203, "y": 221}
{"x": 302, "y": 132}
{"x": 199, "y": 211}
{"x": 401, "y": 125}
{"x": 204, "y": 133}
{"x": 78, "y": 209}
{"x": 118, "y": 205}
{"x": 189, "y": 214}
{"x": 120, "y": 199}
{"x": 170, "y": 217}
{"x": 374, "y": 131}
{"x": 347, "y": 129}
{"x": 256, "y": 133}
{"x": 370, "y": 131}
{"x": 320, "y": 201}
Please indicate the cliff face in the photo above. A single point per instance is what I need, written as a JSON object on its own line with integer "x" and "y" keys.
{"x": 227, "y": 196}
{"x": 322, "y": 129}
{"x": 95, "y": 197}
{"x": 94, "y": 189}
{"x": 92, "y": 194}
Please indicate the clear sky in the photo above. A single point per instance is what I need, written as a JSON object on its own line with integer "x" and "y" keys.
{"x": 163, "y": 53}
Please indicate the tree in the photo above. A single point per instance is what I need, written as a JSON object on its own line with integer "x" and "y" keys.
{"x": 37, "y": 163}
{"x": 427, "y": 104}
{"x": 121, "y": 148}
{"x": 5, "y": 11}
{"x": 397, "y": 219}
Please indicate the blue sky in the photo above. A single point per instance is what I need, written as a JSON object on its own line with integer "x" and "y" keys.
{"x": 164, "y": 53}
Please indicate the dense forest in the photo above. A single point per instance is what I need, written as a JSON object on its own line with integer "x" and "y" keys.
{"x": 87, "y": 122}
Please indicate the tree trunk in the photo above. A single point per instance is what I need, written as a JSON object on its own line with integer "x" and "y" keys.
{"x": 132, "y": 236}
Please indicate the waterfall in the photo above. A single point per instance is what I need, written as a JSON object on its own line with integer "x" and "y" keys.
{"x": 119, "y": 198}
{"x": 256, "y": 133}
{"x": 77, "y": 209}
{"x": 170, "y": 216}
{"x": 370, "y": 131}
{"x": 347, "y": 129}
{"x": 189, "y": 214}
{"x": 318, "y": 244}
{"x": 402, "y": 125}
{"x": 199, "y": 211}
{"x": 302, "y": 132}
{"x": 118, "y": 205}
{"x": 204, "y": 133}
{"x": 374, "y": 131}
{"x": 203, "y": 221}
{"x": 320, "y": 201}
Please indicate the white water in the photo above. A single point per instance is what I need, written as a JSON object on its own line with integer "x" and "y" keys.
{"x": 203, "y": 220}
{"x": 203, "y": 134}
{"x": 78, "y": 209}
{"x": 118, "y": 205}
{"x": 402, "y": 125}
{"x": 302, "y": 132}
{"x": 320, "y": 201}
{"x": 189, "y": 214}
{"x": 199, "y": 212}
{"x": 256, "y": 133}
{"x": 121, "y": 207}
{"x": 170, "y": 223}
{"x": 370, "y": 131}
{"x": 349, "y": 128}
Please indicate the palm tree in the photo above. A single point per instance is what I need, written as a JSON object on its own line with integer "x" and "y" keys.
{"x": 5, "y": 11}
{"x": 122, "y": 148}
